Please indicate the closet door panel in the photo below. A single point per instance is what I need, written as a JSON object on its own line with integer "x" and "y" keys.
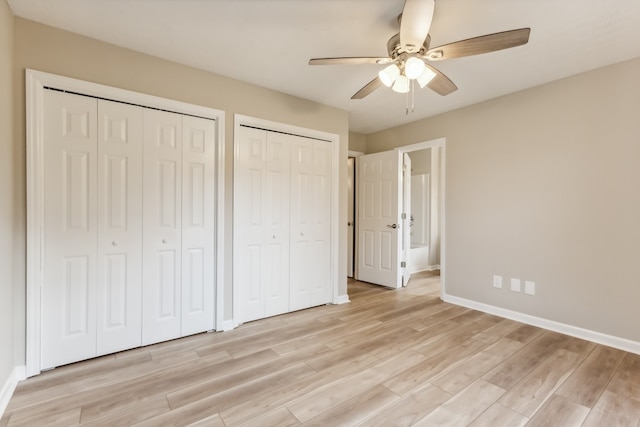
{"x": 162, "y": 214}
{"x": 198, "y": 219}
{"x": 68, "y": 327}
{"x": 119, "y": 267}
{"x": 302, "y": 205}
{"x": 276, "y": 247}
{"x": 250, "y": 221}
{"x": 320, "y": 257}
{"x": 310, "y": 224}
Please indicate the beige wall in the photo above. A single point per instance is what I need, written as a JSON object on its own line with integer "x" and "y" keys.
{"x": 544, "y": 185}
{"x": 357, "y": 142}
{"x": 7, "y": 223}
{"x": 47, "y": 49}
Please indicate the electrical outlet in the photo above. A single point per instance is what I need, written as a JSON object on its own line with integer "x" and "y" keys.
{"x": 497, "y": 281}
{"x": 515, "y": 285}
{"x": 529, "y": 287}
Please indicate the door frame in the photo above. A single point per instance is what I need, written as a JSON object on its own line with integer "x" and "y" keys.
{"x": 334, "y": 139}
{"x": 36, "y": 82}
{"x": 442, "y": 144}
{"x": 354, "y": 253}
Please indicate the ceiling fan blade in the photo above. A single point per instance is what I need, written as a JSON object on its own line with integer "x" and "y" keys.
{"x": 481, "y": 44}
{"x": 349, "y": 61}
{"x": 367, "y": 89}
{"x": 441, "y": 84}
{"x": 415, "y": 23}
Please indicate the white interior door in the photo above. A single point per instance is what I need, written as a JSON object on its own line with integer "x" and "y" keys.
{"x": 119, "y": 266}
{"x": 162, "y": 245}
{"x": 379, "y": 222}
{"x": 310, "y": 223}
{"x": 198, "y": 219}
{"x": 68, "y": 327}
{"x": 351, "y": 212}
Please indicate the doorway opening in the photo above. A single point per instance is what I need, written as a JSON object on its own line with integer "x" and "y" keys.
{"x": 416, "y": 232}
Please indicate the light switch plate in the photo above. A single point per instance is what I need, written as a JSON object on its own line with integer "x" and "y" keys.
{"x": 515, "y": 285}
{"x": 497, "y": 281}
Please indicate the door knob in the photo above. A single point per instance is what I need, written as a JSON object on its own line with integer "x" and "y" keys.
{"x": 392, "y": 225}
{"x": 164, "y": 240}
{"x": 114, "y": 243}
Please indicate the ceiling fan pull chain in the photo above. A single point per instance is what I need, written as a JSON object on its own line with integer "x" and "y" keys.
{"x": 413, "y": 96}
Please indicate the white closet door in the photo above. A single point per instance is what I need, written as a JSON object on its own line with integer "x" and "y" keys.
{"x": 276, "y": 237}
{"x": 250, "y": 221}
{"x": 68, "y": 294}
{"x": 198, "y": 218}
{"x": 161, "y": 308}
{"x": 261, "y": 218}
{"x": 310, "y": 223}
{"x": 119, "y": 266}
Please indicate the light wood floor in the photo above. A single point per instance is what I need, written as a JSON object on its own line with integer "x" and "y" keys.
{"x": 387, "y": 358}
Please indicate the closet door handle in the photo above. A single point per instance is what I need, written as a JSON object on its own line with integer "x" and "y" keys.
{"x": 164, "y": 240}
{"x": 114, "y": 243}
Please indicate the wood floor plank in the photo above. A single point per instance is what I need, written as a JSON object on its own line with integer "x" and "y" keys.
{"x": 588, "y": 381}
{"x": 464, "y": 407}
{"x": 212, "y": 421}
{"x": 128, "y": 393}
{"x": 599, "y": 417}
{"x": 560, "y": 411}
{"x": 475, "y": 366}
{"x": 408, "y": 409}
{"x": 133, "y": 414}
{"x": 58, "y": 416}
{"x": 249, "y": 408}
{"x": 323, "y": 399}
{"x": 533, "y": 354}
{"x": 537, "y": 386}
{"x": 444, "y": 361}
{"x": 281, "y": 417}
{"x": 351, "y": 411}
{"x": 498, "y": 415}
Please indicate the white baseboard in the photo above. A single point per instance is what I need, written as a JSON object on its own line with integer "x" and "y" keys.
{"x": 574, "y": 331}
{"x": 19, "y": 373}
{"x": 341, "y": 299}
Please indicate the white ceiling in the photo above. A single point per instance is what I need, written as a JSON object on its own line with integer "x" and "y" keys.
{"x": 269, "y": 43}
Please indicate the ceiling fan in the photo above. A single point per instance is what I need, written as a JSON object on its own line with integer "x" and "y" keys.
{"x": 409, "y": 52}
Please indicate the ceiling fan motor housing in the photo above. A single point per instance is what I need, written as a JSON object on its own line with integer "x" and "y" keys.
{"x": 395, "y": 49}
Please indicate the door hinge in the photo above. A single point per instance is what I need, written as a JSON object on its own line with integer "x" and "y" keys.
{"x": 403, "y": 264}
{"x": 403, "y": 216}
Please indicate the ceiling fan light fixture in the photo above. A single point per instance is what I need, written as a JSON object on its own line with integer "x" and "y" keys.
{"x": 414, "y": 67}
{"x": 401, "y": 84}
{"x": 426, "y": 76}
{"x": 389, "y": 74}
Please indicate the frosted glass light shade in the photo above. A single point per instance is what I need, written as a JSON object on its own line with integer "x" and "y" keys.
{"x": 426, "y": 76}
{"x": 413, "y": 67}
{"x": 389, "y": 75}
{"x": 401, "y": 85}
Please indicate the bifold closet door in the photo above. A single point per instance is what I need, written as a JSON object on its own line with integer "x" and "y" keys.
{"x": 198, "y": 225}
{"x": 310, "y": 223}
{"x": 162, "y": 240}
{"x": 92, "y": 276}
{"x": 179, "y": 217}
{"x": 119, "y": 266}
{"x": 261, "y": 222}
{"x": 68, "y": 328}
